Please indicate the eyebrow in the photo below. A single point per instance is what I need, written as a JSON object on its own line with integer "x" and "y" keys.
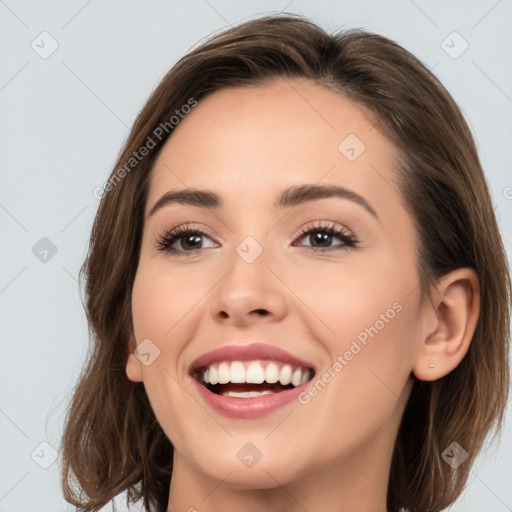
{"x": 290, "y": 197}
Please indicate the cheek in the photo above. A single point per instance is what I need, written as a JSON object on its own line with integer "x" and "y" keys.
{"x": 148, "y": 306}
{"x": 162, "y": 310}
{"x": 366, "y": 318}
{"x": 346, "y": 299}
{"x": 163, "y": 300}
{"x": 367, "y": 381}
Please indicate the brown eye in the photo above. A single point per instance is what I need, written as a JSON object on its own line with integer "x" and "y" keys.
{"x": 189, "y": 239}
{"x": 320, "y": 238}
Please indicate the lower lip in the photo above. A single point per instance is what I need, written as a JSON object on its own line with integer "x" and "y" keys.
{"x": 247, "y": 408}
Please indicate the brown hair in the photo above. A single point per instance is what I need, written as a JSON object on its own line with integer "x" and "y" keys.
{"x": 112, "y": 441}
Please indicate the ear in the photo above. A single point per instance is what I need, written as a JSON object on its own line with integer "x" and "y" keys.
{"x": 133, "y": 365}
{"x": 456, "y": 302}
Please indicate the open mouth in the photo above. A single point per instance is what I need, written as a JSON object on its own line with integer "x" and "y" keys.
{"x": 247, "y": 379}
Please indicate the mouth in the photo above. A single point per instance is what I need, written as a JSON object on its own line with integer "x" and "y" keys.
{"x": 249, "y": 381}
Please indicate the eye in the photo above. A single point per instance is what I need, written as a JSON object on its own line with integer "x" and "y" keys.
{"x": 189, "y": 239}
{"x": 321, "y": 235}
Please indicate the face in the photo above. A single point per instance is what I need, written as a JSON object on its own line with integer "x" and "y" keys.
{"x": 322, "y": 288}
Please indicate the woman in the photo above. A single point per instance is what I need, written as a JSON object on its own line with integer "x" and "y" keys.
{"x": 296, "y": 284}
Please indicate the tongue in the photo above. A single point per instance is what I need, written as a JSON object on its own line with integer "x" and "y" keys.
{"x": 240, "y": 388}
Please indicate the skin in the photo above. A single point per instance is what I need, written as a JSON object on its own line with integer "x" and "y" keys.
{"x": 333, "y": 453}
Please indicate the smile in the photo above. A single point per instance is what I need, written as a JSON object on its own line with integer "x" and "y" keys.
{"x": 249, "y": 381}
{"x": 252, "y": 378}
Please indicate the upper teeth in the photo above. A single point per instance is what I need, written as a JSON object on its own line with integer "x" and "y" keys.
{"x": 254, "y": 372}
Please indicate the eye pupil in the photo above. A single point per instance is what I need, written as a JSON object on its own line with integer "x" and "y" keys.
{"x": 321, "y": 237}
{"x": 196, "y": 238}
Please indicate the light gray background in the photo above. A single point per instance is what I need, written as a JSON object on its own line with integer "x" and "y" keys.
{"x": 63, "y": 121}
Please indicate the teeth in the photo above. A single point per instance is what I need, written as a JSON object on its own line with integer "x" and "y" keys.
{"x": 272, "y": 373}
{"x": 224, "y": 373}
{"x": 235, "y": 372}
{"x": 296, "y": 377}
{"x": 285, "y": 375}
{"x": 213, "y": 375}
{"x": 255, "y": 374}
{"x": 246, "y": 394}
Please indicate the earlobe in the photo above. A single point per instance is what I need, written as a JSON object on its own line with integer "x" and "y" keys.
{"x": 456, "y": 300}
{"x": 133, "y": 365}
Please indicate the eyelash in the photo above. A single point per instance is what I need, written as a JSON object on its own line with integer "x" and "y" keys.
{"x": 349, "y": 240}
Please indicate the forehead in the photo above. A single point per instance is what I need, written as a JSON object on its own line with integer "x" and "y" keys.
{"x": 248, "y": 142}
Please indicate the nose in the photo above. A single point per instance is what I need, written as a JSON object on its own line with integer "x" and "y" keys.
{"x": 249, "y": 293}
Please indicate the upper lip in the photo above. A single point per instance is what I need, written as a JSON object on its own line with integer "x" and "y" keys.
{"x": 251, "y": 352}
